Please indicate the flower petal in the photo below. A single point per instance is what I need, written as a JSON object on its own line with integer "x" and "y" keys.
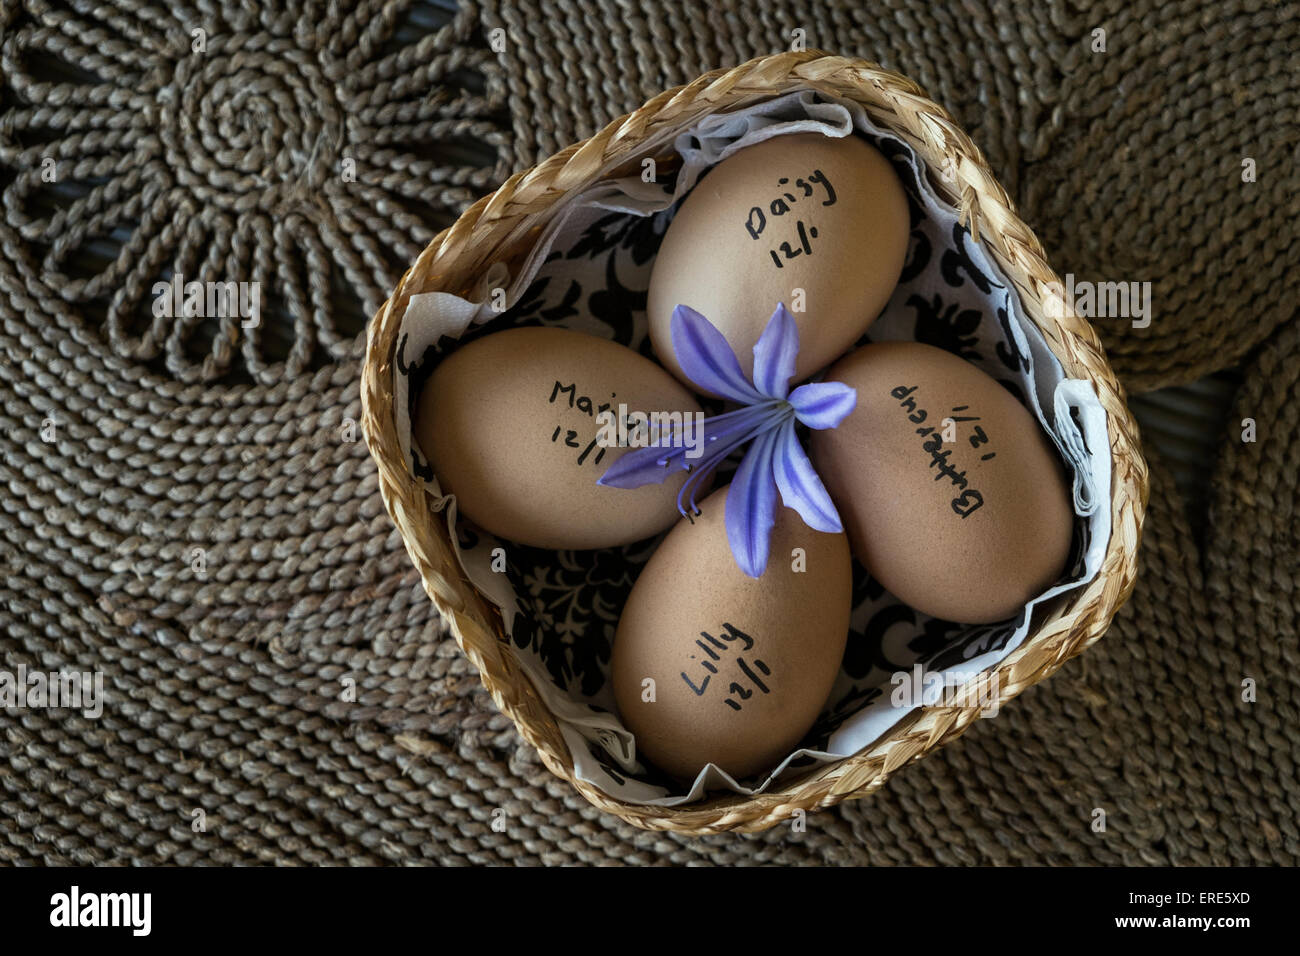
{"x": 643, "y": 466}
{"x": 775, "y": 352}
{"x": 800, "y": 486}
{"x": 738, "y": 424}
{"x": 731, "y": 431}
{"x": 715, "y": 438}
{"x": 823, "y": 404}
{"x": 751, "y": 506}
{"x": 706, "y": 358}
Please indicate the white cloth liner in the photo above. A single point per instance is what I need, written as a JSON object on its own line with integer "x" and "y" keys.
{"x": 1068, "y": 409}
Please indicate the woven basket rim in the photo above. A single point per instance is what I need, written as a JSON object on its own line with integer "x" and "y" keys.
{"x": 453, "y": 259}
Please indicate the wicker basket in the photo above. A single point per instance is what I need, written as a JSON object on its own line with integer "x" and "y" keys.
{"x": 499, "y": 228}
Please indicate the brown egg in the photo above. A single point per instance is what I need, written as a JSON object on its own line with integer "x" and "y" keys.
{"x": 965, "y": 521}
{"x": 740, "y": 666}
{"x": 509, "y": 423}
{"x": 798, "y": 212}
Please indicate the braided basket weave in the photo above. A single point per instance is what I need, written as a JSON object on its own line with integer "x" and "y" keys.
{"x": 499, "y": 228}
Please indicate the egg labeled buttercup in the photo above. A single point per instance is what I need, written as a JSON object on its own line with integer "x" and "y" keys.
{"x": 713, "y": 666}
{"x": 512, "y": 425}
{"x": 952, "y": 495}
{"x": 818, "y": 223}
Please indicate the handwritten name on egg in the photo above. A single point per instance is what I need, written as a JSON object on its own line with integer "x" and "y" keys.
{"x": 730, "y": 633}
{"x": 970, "y": 499}
{"x": 624, "y": 428}
{"x": 584, "y": 404}
{"x": 756, "y": 222}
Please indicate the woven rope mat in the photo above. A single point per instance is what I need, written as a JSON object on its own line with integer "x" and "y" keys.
{"x": 1128, "y": 163}
{"x": 225, "y": 737}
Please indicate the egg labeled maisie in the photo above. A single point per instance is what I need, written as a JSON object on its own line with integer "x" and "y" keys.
{"x": 951, "y": 493}
{"x": 710, "y": 665}
{"x": 818, "y": 223}
{"x": 512, "y": 426}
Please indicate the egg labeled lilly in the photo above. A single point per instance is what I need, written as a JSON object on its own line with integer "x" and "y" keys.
{"x": 818, "y": 223}
{"x": 951, "y": 492}
{"x": 713, "y": 666}
{"x": 517, "y": 425}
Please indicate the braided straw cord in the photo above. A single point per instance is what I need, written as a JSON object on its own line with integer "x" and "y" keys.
{"x": 495, "y": 229}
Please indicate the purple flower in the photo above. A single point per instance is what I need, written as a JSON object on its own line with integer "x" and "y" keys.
{"x": 767, "y": 416}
